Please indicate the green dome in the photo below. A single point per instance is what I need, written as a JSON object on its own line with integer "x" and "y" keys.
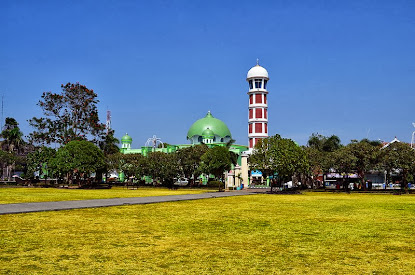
{"x": 218, "y": 127}
{"x": 126, "y": 139}
{"x": 208, "y": 133}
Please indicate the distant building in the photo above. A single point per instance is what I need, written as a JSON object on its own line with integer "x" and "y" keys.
{"x": 214, "y": 132}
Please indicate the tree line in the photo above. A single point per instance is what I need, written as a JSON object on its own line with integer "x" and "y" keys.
{"x": 84, "y": 148}
{"x": 322, "y": 155}
{"x": 70, "y": 124}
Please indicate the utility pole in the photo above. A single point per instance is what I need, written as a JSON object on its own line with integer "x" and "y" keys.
{"x": 2, "y": 118}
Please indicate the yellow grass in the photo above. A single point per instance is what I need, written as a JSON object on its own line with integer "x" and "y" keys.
{"x": 259, "y": 234}
{"x": 19, "y": 195}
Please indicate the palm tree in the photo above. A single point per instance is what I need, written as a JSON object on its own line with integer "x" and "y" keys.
{"x": 12, "y": 142}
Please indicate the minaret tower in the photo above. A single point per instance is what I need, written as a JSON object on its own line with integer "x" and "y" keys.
{"x": 258, "y": 105}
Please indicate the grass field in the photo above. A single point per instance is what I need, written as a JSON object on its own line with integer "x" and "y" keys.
{"x": 313, "y": 233}
{"x": 19, "y": 195}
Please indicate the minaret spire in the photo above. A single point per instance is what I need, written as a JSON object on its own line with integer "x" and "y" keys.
{"x": 258, "y": 105}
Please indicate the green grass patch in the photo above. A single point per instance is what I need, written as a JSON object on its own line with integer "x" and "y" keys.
{"x": 20, "y": 195}
{"x": 258, "y": 234}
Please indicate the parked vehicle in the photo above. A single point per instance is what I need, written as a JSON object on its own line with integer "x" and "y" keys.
{"x": 181, "y": 182}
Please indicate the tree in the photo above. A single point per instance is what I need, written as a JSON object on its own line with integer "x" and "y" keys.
{"x": 133, "y": 165}
{"x": 319, "y": 152}
{"x": 12, "y": 136}
{"x": 189, "y": 159}
{"x": 260, "y": 158}
{"x": 363, "y": 157}
{"x": 7, "y": 161}
{"x": 71, "y": 115}
{"x": 280, "y": 155}
{"x": 108, "y": 143}
{"x": 12, "y": 143}
{"x": 38, "y": 161}
{"x": 216, "y": 161}
{"x": 319, "y": 162}
{"x": 331, "y": 144}
{"x": 344, "y": 162}
{"x": 162, "y": 166}
{"x": 323, "y": 143}
{"x": 399, "y": 156}
{"x": 78, "y": 160}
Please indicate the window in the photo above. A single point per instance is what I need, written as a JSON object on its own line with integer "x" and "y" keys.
{"x": 265, "y": 113}
{"x": 250, "y": 85}
{"x": 251, "y": 145}
{"x": 250, "y": 99}
{"x": 266, "y": 128}
{"x": 258, "y": 127}
{"x": 250, "y": 113}
{"x": 258, "y": 113}
{"x": 265, "y": 84}
{"x": 258, "y": 83}
{"x": 250, "y": 128}
{"x": 265, "y": 99}
{"x": 258, "y": 98}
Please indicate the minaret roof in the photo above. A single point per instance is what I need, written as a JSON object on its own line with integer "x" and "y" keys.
{"x": 257, "y": 72}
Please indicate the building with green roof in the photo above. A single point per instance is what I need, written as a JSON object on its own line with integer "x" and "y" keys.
{"x": 209, "y": 130}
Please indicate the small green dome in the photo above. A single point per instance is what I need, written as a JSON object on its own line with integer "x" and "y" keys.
{"x": 216, "y": 126}
{"x": 208, "y": 133}
{"x": 126, "y": 139}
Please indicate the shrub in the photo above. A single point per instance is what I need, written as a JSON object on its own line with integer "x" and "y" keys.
{"x": 215, "y": 184}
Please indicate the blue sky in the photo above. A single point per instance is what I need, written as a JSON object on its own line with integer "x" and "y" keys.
{"x": 336, "y": 67}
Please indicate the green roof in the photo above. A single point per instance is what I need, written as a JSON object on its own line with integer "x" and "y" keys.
{"x": 209, "y": 122}
{"x": 126, "y": 139}
{"x": 208, "y": 133}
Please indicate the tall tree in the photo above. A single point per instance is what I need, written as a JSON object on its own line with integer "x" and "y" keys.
{"x": 69, "y": 115}
{"x": 108, "y": 143}
{"x": 12, "y": 136}
{"x": 12, "y": 143}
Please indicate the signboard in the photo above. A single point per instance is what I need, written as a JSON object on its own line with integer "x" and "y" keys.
{"x": 256, "y": 173}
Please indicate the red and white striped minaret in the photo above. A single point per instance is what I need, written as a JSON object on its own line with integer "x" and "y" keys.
{"x": 258, "y": 105}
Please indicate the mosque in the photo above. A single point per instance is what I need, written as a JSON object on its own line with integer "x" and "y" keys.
{"x": 214, "y": 132}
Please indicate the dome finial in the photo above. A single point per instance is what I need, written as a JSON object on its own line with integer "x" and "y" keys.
{"x": 257, "y": 61}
